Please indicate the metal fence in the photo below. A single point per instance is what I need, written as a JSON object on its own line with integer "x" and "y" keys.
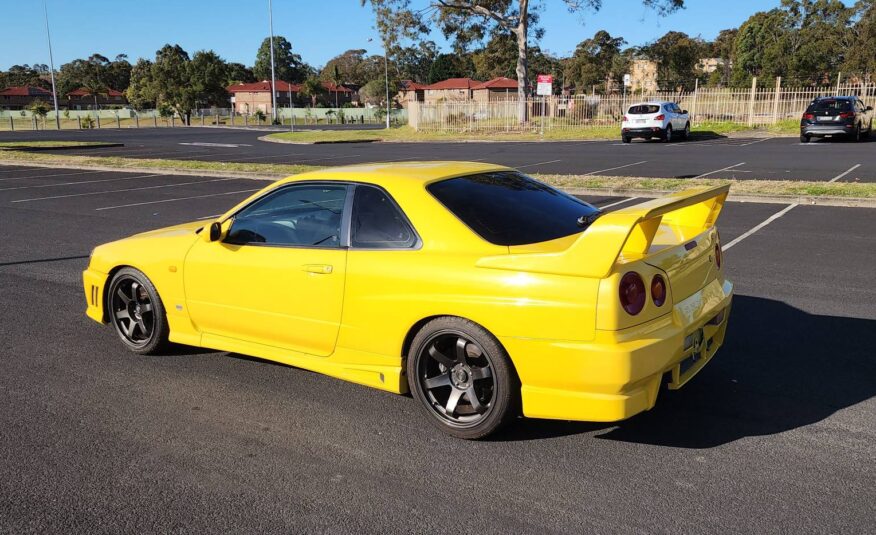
{"x": 753, "y": 107}
{"x": 130, "y": 118}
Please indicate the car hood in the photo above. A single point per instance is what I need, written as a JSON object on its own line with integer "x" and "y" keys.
{"x": 164, "y": 246}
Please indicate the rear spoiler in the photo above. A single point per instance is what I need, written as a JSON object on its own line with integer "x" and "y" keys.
{"x": 628, "y": 232}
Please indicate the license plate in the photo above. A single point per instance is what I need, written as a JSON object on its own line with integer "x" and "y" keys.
{"x": 640, "y": 121}
{"x": 825, "y": 119}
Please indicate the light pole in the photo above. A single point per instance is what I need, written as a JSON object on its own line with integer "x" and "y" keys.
{"x": 273, "y": 76}
{"x": 385, "y": 77}
{"x": 52, "y": 67}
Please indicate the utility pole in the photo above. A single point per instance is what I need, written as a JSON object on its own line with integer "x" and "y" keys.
{"x": 273, "y": 76}
{"x": 52, "y": 67}
{"x": 386, "y": 79}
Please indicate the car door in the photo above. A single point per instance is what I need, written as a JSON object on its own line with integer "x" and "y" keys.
{"x": 678, "y": 119}
{"x": 277, "y": 276}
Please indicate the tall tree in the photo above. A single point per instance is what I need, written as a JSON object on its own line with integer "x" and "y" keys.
{"x": 414, "y": 62}
{"x": 594, "y": 61}
{"x": 238, "y": 73}
{"x": 353, "y": 67}
{"x": 24, "y": 75}
{"x": 288, "y": 66}
{"x": 677, "y": 56}
{"x": 861, "y": 59}
{"x": 208, "y": 76}
{"x": 450, "y": 66}
{"x": 472, "y": 20}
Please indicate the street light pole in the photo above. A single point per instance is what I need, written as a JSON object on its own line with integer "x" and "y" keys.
{"x": 273, "y": 76}
{"x": 386, "y": 80}
{"x": 52, "y": 67}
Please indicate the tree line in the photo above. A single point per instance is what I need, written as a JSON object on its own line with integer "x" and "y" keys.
{"x": 806, "y": 42}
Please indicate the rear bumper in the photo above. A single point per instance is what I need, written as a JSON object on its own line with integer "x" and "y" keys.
{"x": 818, "y": 130}
{"x": 650, "y": 131}
{"x": 93, "y": 282}
{"x": 618, "y": 374}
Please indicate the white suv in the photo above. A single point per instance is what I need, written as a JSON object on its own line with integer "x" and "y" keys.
{"x": 663, "y": 120}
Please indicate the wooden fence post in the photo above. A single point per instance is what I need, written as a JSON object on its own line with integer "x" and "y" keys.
{"x": 776, "y": 102}
{"x": 751, "y": 101}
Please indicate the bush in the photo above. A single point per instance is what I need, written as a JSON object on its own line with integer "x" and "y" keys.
{"x": 87, "y": 122}
{"x": 260, "y": 115}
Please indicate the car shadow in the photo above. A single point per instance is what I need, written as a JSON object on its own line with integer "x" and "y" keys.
{"x": 781, "y": 368}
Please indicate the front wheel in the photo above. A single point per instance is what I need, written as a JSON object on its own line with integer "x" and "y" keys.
{"x": 686, "y": 134}
{"x": 136, "y": 312}
{"x": 667, "y": 134}
{"x": 462, "y": 378}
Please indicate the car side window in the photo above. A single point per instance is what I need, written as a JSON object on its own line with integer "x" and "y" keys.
{"x": 305, "y": 215}
{"x": 667, "y": 108}
{"x": 377, "y": 222}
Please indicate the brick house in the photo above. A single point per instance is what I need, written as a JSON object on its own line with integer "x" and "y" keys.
{"x": 252, "y": 97}
{"x": 20, "y": 97}
{"x": 80, "y": 99}
{"x": 452, "y": 89}
{"x": 410, "y": 91}
{"x": 500, "y": 88}
{"x": 643, "y": 75}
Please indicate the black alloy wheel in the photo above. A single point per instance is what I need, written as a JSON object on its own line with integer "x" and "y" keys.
{"x": 462, "y": 377}
{"x": 136, "y": 312}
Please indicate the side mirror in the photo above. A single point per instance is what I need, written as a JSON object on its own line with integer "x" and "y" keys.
{"x": 684, "y": 112}
{"x": 215, "y": 231}
{"x": 869, "y": 108}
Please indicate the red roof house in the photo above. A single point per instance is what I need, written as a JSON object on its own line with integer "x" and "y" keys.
{"x": 20, "y": 97}
{"x": 500, "y": 88}
{"x": 450, "y": 89}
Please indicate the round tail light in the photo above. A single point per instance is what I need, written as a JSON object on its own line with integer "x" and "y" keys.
{"x": 718, "y": 255}
{"x": 632, "y": 293}
{"x": 658, "y": 290}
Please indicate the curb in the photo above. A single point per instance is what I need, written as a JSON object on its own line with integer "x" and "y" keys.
{"x": 286, "y": 142}
{"x": 38, "y": 148}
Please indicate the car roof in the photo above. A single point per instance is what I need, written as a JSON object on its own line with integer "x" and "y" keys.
{"x": 654, "y": 102}
{"x": 393, "y": 173}
{"x": 836, "y": 98}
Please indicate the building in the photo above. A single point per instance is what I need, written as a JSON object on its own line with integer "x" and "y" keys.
{"x": 500, "y": 88}
{"x": 643, "y": 76}
{"x": 256, "y": 96}
{"x": 452, "y": 89}
{"x": 20, "y": 97}
{"x": 410, "y": 91}
{"x": 710, "y": 65}
{"x": 82, "y": 99}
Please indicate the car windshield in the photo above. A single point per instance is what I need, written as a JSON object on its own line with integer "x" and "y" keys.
{"x": 644, "y": 109}
{"x": 509, "y": 208}
{"x": 830, "y": 105}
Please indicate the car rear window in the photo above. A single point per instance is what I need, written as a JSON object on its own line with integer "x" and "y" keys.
{"x": 510, "y": 208}
{"x": 644, "y": 109}
{"x": 830, "y": 105}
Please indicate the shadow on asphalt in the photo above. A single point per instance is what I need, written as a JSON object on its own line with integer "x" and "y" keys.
{"x": 781, "y": 369}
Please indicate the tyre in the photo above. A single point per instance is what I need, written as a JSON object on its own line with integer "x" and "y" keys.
{"x": 136, "y": 312}
{"x": 804, "y": 138}
{"x": 856, "y": 135}
{"x": 686, "y": 134}
{"x": 462, "y": 378}
{"x": 667, "y": 134}
{"x": 626, "y": 139}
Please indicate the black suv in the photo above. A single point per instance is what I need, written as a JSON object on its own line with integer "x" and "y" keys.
{"x": 836, "y": 116}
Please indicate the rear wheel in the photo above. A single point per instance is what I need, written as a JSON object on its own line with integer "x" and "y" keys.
{"x": 804, "y": 138}
{"x": 136, "y": 312}
{"x": 686, "y": 134}
{"x": 667, "y": 134}
{"x": 856, "y": 135}
{"x": 626, "y": 139}
{"x": 462, "y": 378}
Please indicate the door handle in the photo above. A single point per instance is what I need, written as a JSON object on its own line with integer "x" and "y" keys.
{"x": 322, "y": 269}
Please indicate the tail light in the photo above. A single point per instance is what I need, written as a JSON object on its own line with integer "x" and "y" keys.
{"x": 658, "y": 290}
{"x": 809, "y": 116}
{"x": 660, "y": 117}
{"x": 625, "y": 118}
{"x": 847, "y": 115}
{"x": 632, "y": 293}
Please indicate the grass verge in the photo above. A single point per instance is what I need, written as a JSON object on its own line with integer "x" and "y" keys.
{"x": 13, "y": 145}
{"x": 265, "y": 169}
{"x": 752, "y": 188}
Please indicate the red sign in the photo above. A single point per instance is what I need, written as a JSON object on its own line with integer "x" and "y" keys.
{"x": 545, "y": 85}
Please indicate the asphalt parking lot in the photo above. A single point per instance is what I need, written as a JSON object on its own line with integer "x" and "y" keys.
{"x": 739, "y": 157}
{"x": 776, "y": 435}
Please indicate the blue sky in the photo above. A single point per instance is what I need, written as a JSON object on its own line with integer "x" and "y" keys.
{"x": 317, "y": 30}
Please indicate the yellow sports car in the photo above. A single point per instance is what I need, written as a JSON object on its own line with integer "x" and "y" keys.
{"x": 482, "y": 291}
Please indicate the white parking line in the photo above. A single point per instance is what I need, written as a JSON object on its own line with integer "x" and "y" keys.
{"x": 754, "y": 142}
{"x": 613, "y": 168}
{"x": 123, "y": 190}
{"x": 538, "y": 163}
{"x": 227, "y": 145}
{"x": 269, "y": 157}
{"x": 766, "y": 222}
{"x": 839, "y": 176}
{"x": 78, "y": 182}
{"x": 59, "y": 174}
{"x": 173, "y": 200}
{"x": 617, "y": 203}
{"x": 719, "y": 170}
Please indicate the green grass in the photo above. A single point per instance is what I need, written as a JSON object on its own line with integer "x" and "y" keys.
{"x": 754, "y": 188}
{"x": 785, "y": 126}
{"x": 12, "y": 145}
